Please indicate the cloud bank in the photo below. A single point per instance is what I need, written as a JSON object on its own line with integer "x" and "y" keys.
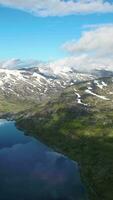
{"x": 83, "y": 63}
{"x": 60, "y": 7}
{"x": 94, "y": 49}
{"x": 98, "y": 42}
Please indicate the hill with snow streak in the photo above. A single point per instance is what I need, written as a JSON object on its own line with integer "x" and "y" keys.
{"x": 37, "y": 82}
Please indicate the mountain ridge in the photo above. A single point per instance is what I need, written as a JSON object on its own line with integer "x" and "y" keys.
{"x": 76, "y": 119}
{"x": 34, "y": 83}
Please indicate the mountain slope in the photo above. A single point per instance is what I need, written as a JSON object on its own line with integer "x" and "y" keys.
{"x": 79, "y": 123}
{"x": 35, "y": 84}
{"x": 71, "y": 112}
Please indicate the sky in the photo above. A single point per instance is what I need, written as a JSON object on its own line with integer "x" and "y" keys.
{"x": 78, "y": 32}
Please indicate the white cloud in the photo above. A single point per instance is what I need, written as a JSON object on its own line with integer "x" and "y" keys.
{"x": 82, "y": 62}
{"x": 18, "y": 63}
{"x": 60, "y": 7}
{"x": 94, "y": 49}
{"x": 97, "y": 42}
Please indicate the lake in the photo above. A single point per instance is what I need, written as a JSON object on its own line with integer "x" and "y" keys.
{"x": 29, "y": 170}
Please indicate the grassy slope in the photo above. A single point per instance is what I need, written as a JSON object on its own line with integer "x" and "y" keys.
{"x": 84, "y": 134}
{"x": 13, "y": 105}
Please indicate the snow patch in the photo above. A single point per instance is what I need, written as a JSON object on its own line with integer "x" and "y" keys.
{"x": 99, "y": 96}
{"x": 100, "y": 85}
{"x": 79, "y": 98}
{"x": 104, "y": 84}
{"x": 78, "y": 95}
{"x": 90, "y": 88}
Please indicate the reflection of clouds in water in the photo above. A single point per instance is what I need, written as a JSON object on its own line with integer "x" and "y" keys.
{"x": 34, "y": 158}
{"x": 48, "y": 170}
{"x": 3, "y": 122}
{"x": 31, "y": 170}
{"x": 32, "y": 164}
{"x": 22, "y": 156}
{"x": 57, "y": 169}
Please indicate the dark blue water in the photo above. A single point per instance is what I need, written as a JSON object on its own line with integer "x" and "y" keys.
{"x": 30, "y": 170}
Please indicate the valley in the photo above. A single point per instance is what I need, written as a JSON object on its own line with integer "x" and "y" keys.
{"x": 56, "y": 100}
{"x": 76, "y": 120}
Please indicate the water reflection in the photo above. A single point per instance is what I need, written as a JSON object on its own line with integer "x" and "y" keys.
{"x": 31, "y": 171}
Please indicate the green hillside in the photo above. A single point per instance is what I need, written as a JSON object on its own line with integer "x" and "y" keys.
{"x": 84, "y": 133}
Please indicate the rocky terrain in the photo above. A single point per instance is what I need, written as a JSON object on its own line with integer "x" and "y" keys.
{"x": 71, "y": 111}
{"x": 35, "y": 84}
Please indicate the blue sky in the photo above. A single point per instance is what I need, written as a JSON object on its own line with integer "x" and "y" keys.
{"x": 27, "y": 36}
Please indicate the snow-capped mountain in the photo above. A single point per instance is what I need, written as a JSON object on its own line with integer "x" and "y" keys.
{"x": 37, "y": 82}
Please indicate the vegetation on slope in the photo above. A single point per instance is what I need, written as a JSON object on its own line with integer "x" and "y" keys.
{"x": 84, "y": 133}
